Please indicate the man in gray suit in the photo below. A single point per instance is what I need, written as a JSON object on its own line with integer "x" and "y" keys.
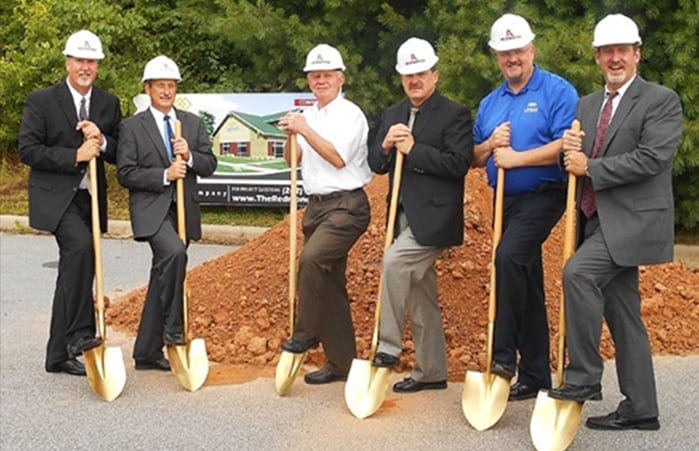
{"x": 147, "y": 167}
{"x": 625, "y": 220}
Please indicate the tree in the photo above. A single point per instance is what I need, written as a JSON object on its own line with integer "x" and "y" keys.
{"x": 261, "y": 45}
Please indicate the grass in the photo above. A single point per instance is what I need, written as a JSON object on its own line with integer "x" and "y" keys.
{"x": 14, "y": 199}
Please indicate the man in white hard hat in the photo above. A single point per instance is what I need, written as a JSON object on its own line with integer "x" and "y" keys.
{"x": 63, "y": 128}
{"x": 148, "y": 166}
{"x": 519, "y": 127}
{"x": 433, "y": 134}
{"x": 332, "y": 137}
{"x": 623, "y": 158}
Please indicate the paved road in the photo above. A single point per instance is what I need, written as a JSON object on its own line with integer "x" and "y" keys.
{"x": 54, "y": 411}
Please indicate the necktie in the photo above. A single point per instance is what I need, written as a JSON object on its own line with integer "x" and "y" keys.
{"x": 82, "y": 114}
{"x": 587, "y": 202}
{"x": 411, "y": 120}
{"x": 169, "y": 136}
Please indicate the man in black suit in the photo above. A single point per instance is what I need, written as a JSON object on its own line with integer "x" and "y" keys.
{"x": 147, "y": 167}
{"x": 63, "y": 128}
{"x": 437, "y": 148}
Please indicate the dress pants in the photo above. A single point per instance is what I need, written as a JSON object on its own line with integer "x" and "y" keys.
{"x": 162, "y": 310}
{"x": 595, "y": 288}
{"x": 520, "y": 322}
{"x": 73, "y": 311}
{"x": 410, "y": 287}
{"x": 331, "y": 226}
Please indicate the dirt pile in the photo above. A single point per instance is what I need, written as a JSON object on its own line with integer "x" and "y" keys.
{"x": 238, "y": 302}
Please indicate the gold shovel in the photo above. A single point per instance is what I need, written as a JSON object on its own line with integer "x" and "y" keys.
{"x": 104, "y": 366}
{"x": 555, "y": 421}
{"x": 367, "y": 384}
{"x": 485, "y": 394}
{"x": 189, "y": 362}
{"x": 289, "y": 362}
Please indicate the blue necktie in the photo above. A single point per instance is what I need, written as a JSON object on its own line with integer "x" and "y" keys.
{"x": 169, "y": 136}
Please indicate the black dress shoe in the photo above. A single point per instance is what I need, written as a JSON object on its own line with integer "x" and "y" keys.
{"x": 174, "y": 339}
{"x": 520, "y": 391}
{"x": 502, "y": 370}
{"x": 578, "y": 393}
{"x": 157, "y": 364}
{"x": 383, "y": 360}
{"x": 81, "y": 345}
{"x": 298, "y": 346}
{"x": 323, "y": 376}
{"x": 410, "y": 385}
{"x": 70, "y": 366}
{"x": 616, "y": 422}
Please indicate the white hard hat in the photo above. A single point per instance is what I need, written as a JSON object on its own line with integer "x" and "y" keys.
{"x": 85, "y": 45}
{"x": 510, "y": 32}
{"x": 161, "y": 68}
{"x": 323, "y": 57}
{"x": 616, "y": 29}
{"x": 414, "y": 56}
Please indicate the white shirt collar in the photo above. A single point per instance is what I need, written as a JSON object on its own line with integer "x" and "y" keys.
{"x": 159, "y": 115}
{"x": 77, "y": 97}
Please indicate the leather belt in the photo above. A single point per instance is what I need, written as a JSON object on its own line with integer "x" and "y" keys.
{"x": 333, "y": 195}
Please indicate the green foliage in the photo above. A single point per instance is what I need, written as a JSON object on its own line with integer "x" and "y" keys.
{"x": 260, "y": 46}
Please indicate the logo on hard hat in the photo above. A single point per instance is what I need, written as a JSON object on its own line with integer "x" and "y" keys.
{"x": 86, "y": 46}
{"x": 510, "y": 36}
{"x": 414, "y": 60}
{"x": 321, "y": 60}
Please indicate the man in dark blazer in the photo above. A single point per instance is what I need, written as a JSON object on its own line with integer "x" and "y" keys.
{"x": 437, "y": 147}
{"x": 147, "y": 167}
{"x": 625, "y": 220}
{"x": 63, "y": 128}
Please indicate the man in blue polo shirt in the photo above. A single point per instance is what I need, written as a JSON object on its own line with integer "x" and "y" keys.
{"x": 519, "y": 127}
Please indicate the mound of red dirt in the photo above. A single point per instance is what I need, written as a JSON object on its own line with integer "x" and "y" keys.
{"x": 239, "y": 302}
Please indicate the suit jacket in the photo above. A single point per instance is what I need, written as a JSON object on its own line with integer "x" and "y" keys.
{"x": 48, "y": 142}
{"x": 632, "y": 177}
{"x": 432, "y": 185}
{"x": 141, "y": 161}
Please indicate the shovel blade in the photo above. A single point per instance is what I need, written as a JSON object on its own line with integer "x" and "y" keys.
{"x": 484, "y": 399}
{"x": 106, "y": 373}
{"x": 285, "y": 373}
{"x": 366, "y": 388}
{"x": 190, "y": 363}
{"x": 554, "y": 422}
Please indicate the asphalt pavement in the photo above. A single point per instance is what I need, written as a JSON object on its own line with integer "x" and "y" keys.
{"x": 41, "y": 411}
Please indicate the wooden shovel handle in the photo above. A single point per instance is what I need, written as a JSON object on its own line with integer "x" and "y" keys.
{"x": 181, "y": 220}
{"x": 497, "y": 235}
{"x": 568, "y": 250}
{"x": 97, "y": 247}
{"x": 293, "y": 219}
{"x": 390, "y": 230}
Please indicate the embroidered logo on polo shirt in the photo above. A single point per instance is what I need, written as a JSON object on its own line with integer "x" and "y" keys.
{"x": 532, "y": 107}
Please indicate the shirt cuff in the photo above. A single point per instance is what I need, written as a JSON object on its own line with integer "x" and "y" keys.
{"x": 166, "y": 182}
